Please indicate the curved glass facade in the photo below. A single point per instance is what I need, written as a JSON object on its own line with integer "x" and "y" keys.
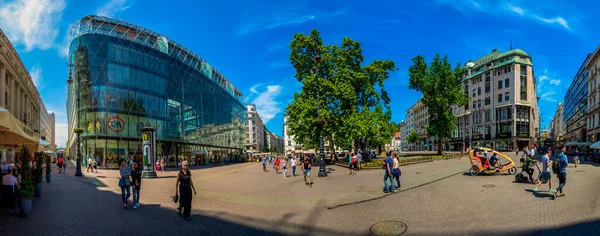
{"x": 137, "y": 77}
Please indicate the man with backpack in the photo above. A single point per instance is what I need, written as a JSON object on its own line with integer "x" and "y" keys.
{"x": 560, "y": 169}
{"x": 546, "y": 174}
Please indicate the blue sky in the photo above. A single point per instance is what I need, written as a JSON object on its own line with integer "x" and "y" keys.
{"x": 247, "y": 40}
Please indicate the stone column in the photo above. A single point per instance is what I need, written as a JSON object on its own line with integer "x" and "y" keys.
{"x": 2, "y": 86}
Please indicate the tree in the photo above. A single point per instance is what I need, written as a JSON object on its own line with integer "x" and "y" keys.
{"x": 412, "y": 137}
{"x": 352, "y": 98}
{"x": 441, "y": 87}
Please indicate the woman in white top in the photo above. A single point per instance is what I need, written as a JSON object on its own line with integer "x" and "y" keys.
{"x": 396, "y": 170}
{"x": 11, "y": 179}
{"x": 294, "y": 166}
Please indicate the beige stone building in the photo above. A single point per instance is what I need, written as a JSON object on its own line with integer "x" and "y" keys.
{"x": 255, "y": 131}
{"x": 593, "y": 116}
{"x": 19, "y": 103}
{"x": 556, "y": 125}
{"x": 502, "y": 112}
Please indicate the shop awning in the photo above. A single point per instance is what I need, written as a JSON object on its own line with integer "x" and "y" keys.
{"x": 585, "y": 144}
{"x": 14, "y": 134}
{"x": 572, "y": 144}
{"x": 596, "y": 145}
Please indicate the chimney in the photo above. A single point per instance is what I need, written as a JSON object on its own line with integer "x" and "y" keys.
{"x": 494, "y": 50}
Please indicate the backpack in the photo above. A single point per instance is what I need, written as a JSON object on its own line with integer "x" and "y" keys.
{"x": 556, "y": 166}
{"x": 60, "y": 160}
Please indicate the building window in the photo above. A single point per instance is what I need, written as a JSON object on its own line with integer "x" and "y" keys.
{"x": 474, "y": 93}
{"x": 506, "y": 83}
{"x": 479, "y": 103}
{"x": 479, "y": 91}
{"x": 487, "y": 101}
{"x": 487, "y": 87}
{"x": 500, "y": 84}
{"x": 487, "y": 117}
{"x": 499, "y": 97}
{"x": 506, "y": 96}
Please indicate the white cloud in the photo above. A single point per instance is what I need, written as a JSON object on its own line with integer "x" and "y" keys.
{"x": 36, "y": 76}
{"x": 32, "y": 23}
{"x": 62, "y": 130}
{"x": 253, "y": 88}
{"x": 63, "y": 47}
{"x": 548, "y": 96}
{"x": 555, "y": 82}
{"x": 515, "y": 9}
{"x": 492, "y": 8}
{"x": 113, "y": 7}
{"x": 267, "y": 104}
{"x": 543, "y": 77}
{"x": 259, "y": 19}
{"x": 558, "y": 20}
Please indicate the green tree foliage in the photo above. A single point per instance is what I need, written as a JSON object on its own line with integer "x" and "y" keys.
{"x": 441, "y": 87}
{"x": 24, "y": 157}
{"x": 394, "y": 128}
{"x": 353, "y": 101}
{"x": 412, "y": 137}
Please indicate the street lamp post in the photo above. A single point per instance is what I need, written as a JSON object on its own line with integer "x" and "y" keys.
{"x": 78, "y": 130}
{"x": 322, "y": 172}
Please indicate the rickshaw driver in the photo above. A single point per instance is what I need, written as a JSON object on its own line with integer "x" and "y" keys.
{"x": 494, "y": 159}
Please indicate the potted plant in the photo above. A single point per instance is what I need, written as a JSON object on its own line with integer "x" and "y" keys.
{"x": 26, "y": 191}
{"x": 48, "y": 168}
{"x": 37, "y": 173}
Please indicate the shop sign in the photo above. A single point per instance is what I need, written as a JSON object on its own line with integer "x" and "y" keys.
{"x": 116, "y": 124}
{"x": 505, "y": 135}
{"x": 477, "y": 136}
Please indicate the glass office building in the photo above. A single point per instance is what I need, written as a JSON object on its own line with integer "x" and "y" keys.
{"x": 576, "y": 106}
{"x": 126, "y": 77}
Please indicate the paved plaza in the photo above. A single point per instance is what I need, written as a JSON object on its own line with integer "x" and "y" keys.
{"x": 437, "y": 198}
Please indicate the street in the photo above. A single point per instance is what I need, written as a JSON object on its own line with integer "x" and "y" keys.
{"x": 436, "y": 198}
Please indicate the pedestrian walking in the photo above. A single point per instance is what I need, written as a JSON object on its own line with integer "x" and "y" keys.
{"x": 124, "y": 182}
{"x": 64, "y": 166}
{"x": 355, "y": 161}
{"x": 462, "y": 152}
{"x": 546, "y": 173}
{"x": 562, "y": 172}
{"x": 184, "y": 187}
{"x": 277, "y": 164}
{"x": 284, "y": 167}
{"x": 94, "y": 165}
{"x": 89, "y": 165}
{"x": 162, "y": 164}
{"x": 388, "y": 167}
{"x": 136, "y": 179}
{"x": 349, "y": 156}
{"x": 306, "y": 171}
{"x": 294, "y": 166}
{"x": 264, "y": 163}
{"x": 359, "y": 161}
{"x": 59, "y": 163}
{"x": 396, "y": 170}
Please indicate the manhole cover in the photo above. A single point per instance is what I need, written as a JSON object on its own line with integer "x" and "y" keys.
{"x": 390, "y": 227}
{"x": 580, "y": 171}
{"x": 489, "y": 185}
{"x": 100, "y": 176}
{"x": 418, "y": 173}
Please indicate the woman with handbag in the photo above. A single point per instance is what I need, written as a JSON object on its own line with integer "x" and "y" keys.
{"x": 184, "y": 187}
{"x": 124, "y": 182}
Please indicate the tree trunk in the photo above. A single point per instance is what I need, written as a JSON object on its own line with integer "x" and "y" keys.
{"x": 333, "y": 155}
{"x": 439, "y": 151}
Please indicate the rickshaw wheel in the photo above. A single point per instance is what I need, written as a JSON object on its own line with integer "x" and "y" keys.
{"x": 512, "y": 171}
{"x": 474, "y": 171}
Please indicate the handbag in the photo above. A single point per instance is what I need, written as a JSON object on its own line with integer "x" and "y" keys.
{"x": 175, "y": 198}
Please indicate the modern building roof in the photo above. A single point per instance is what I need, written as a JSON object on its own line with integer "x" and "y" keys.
{"x": 93, "y": 24}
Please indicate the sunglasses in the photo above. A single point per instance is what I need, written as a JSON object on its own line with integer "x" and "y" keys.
{"x": 185, "y": 165}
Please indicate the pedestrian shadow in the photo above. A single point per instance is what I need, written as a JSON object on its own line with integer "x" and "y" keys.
{"x": 82, "y": 203}
{"x": 540, "y": 194}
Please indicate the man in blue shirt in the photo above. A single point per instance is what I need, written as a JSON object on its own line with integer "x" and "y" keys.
{"x": 264, "y": 162}
{"x": 388, "y": 166}
{"x": 493, "y": 159}
{"x": 546, "y": 173}
{"x": 562, "y": 174}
